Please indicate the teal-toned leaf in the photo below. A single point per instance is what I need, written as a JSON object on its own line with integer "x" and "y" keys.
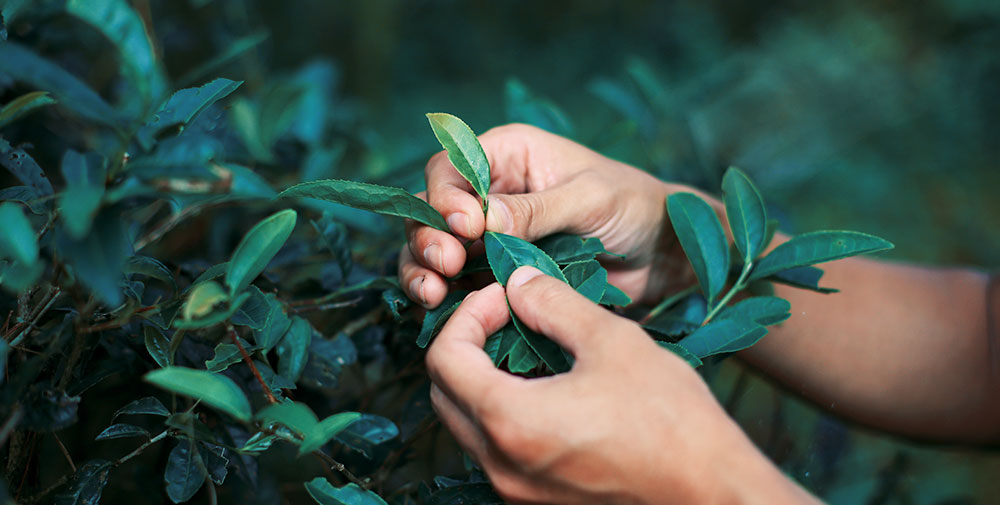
{"x": 187, "y": 157}
{"x": 246, "y": 184}
{"x": 588, "y": 278}
{"x": 521, "y": 358}
{"x": 185, "y": 472}
{"x": 215, "y": 460}
{"x": 395, "y": 300}
{"x": 23, "y": 65}
{"x": 817, "y": 247}
{"x": 564, "y": 248}
{"x": 226, "y": 355}
{"x": 257, "y": 248}
{"x": 17, "y": 238}
{"x": 150, "y": 267}
{"x": 506, "y": 339}
{"x": 682, "y": 352}
{"x": 698, "y": 229}
{"x": 324, "y": 493}
{"x": 17, "y": 277}
{"x": 122, "y": 431}
{"x": 615, "y": 297}
{"x": 78, "y": 204}
{"x": 293, "y": 349}
{"x": 217, "y": 317}
{"x": 158, "y": 346}
{"x": 203, "y": 298}
{"x": 22, "y": 165}
{"x": 259, "y": 442}
{"x": 506, "y": 253}
{"x": 255, "y": 311}
{"x": 746, "y": 213}
{"x": 27, "y": 195}
{"x": 22, "y": 105}
{"x": 296, "y": 416}
{"x": 87, "y": 484}
{"x": 325, "y": 430}
{"x": 215, "y": 390}
{"x": 276, "y": 326}
{"x": 148, "y": 405}
{"x": 722, "y": 336}
{"x": 681, "y": 319}
{"x": 384, "y": 200}
{"x": 464, "y": 150}
{"x": 212, "y": 272}
{"x": 273, "y": 380}
{"x": 522, "y": 106}
{"x": 435, "y": 318}
{"x": 772, "y": 228}
{"x": 98, "y": 259}
{"x": 802, "y": 277}
{"x": 184, "y": 106}
{"x": 322, "y": 162}
{"x": 763, "y": 310}
{"x": 367, "y": 432}
{"x": 548, "y": 351}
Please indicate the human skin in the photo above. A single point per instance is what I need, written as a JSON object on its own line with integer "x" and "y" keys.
{"x": 901, "y": 348}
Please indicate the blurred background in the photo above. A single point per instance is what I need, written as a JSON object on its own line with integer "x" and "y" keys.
{"x": 876, "y": 115}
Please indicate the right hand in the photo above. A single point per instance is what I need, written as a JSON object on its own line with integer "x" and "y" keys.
{"x": 543, "y": 184}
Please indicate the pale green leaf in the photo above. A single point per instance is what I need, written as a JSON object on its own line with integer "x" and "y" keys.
{"x": 506, "y": 253}
{"x": 203, "y": 298}
{"x": 215, "y": 390}
{"x": 257, "y": 248}
{"x": 464, "y": 150}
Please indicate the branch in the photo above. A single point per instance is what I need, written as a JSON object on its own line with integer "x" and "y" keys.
{"x": 253, "y": 367}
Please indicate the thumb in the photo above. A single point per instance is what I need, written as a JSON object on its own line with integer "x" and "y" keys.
{"x": 553, "y": 308}
{"x": 532, "y": 216}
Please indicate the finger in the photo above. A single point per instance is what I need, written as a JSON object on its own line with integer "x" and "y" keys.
{"x": 453, "y": 197}
{"x": 552, "y": 308}
{"x": 461, "y": 427}
{"x": 435, "y": 249}
{"x": 534, "y": 215}
{"x": 456, "y": 361}
{"x": 421, "y": 284}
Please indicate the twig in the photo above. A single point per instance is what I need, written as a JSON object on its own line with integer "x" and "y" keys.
{"x": 62, "y": 448}
{"x": 169, "y": 224}
{"x": 328, "y": 306}
{"x": 338, "y": 466}
{"x": 118, "y": 323}
{"x": 253, "y": 367}
{"x": 22, "y": 329}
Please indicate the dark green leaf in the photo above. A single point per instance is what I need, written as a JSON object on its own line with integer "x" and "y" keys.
{"x": 564, "y": 248}
{"x": 700, "y": 234}
{"x": 17, "y": 277}
{"x": 99, "y": 258}
{"x": 351, "y": 494}
{"x": 817, "y": 247}
{"x": 17, "y": 238}
{"x": 231, "y": 51}
{"x": 506, "y": 253}
{"x": 22, "y": 165}
{"x": 187, "y": 157}
{"x": 435, "y": 318}
{"x": 293, "y": 349}
{"x": 385, "y": 200}
{"x": 682, "y": 352}
{"x": 185, "y": 472}
{"x": 122, "y": 431}
{"x": 722, "y": 336}
{"x": 226, "y": 355}
{"x": 184, "y": 106}
{"x": 87, "y": 484}
{"x": 478, "y": 493}
{"x": 257, "y": 248}
{"x": 78, "y": 204}
{"x": 189, "y": 424}
{"x": 772, "y": 228}
{"x": 746, "y": 213}
{"x": 367, "y": 432}
{"x": 216, "y": 390}
{"x": 506, "y": 339}
{"x": 150, "y": 267}
{"x": 148, "y": 405}
{"x": 22, "y": 105}
{"x": 215, "y": 461}
{"x": 548, "y": 351}
{"x": 763, "y": 310}
{"x": 464, "y": 150}
{"x": 681, "y": 319}
{"x": 802, "y": 277}
{"x": 276, "y": 326}
{"x": 524, "y": 107}
{"x": 158, "y": 346}
{"x": 27, "y": 195}
{"x": 395, "y": 300}
{"x": 614, "y": 296}
{"x": 588, "y": 278}
{"x": 255, "y": 311}
{"x": 212, "y": 272}
{"x": 259, "y": 442}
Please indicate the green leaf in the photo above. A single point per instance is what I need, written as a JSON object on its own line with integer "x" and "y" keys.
{"x": 722, "y": 336}
{"x": 395, "y": 300}
{"x": 435, "y": 318}
{"x": 293, "y": 349}
{"x": 564, "y": 248}
{"x": 214, "y": 318}
{"x": 17, "y": 277}
{"x": 22, "y": 105}
{"x": 151, "y": 267}
{"x": 226, "y": 355}
{"x": 218, "y": 391}
{"x": 203, "y": 298}
{"x": 548, "y": 351}
{"x": 17, "y": 238}
{"x": 158, "y": 346}
{"x": 588, "y": 278}
{"x": 23, "y": 166}
{"x": 187, "y": 157}
{"x": 184, "y": 106}
{"x": 520, "y": 357}
{"x": 772, "y": 228}
{"x": 324, "y": 493}
{"x": 367, "y": 432}
{"x": 682, "y": 352}
{"x": 257, "y": 248}
{"x": 78, "y": 204}
{"x": 746, "y": 213}
{"x": 325, "y": 430}
{"x": 29, "y": 196}
{"x": 384, "y": 200}
{"x": 700, "y": 234}
{"x": 255, "y": 311}
{"x": 681, "y": 319}
{"x": 817, "y": 247}
{"x": 185, "y": 472}
{"x": 87, "y": 484}
{"x": 464, "y": 150}
{"x": 506, "y": 253}
{"x": 259, "y": 442}
{"x": 99, "y": 258}
{"x": 276, "y": 326}
{"x": 616, "y": 297}
{"x": 148, "y": 405}
{"x": 215, "y": 460}
{"x": 802, "y": 277}
{"x": 296, "y": 416}
{"x": 122, "y": 431}
{"x": 23, "y": 65}
{"x": 763, "y": 310}
{"x": 212, "y": 272}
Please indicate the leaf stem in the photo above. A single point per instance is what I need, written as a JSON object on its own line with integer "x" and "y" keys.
{"x": 740, "y": 284}
{"x": 253, "y": 367}
{"x": 669, "y": 302}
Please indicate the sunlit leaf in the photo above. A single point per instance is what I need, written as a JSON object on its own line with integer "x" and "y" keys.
{"x": 218, "y": 391}
{"x": 817, "y": 247}
{"x": 746, "y": 213}
{"x": 257, "y": 248}
{"x": 700, "y": 234}
{"x": 464, "y": 150}
{"x": 385, "y": 200}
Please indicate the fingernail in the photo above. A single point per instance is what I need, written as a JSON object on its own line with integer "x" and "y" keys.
{"x": 434, "y": 257}
{"x": 417, "y": 289}
{"x": 498, "y": 216}
{"x": 459, "y": 222}
{"x": 522, "y": 275}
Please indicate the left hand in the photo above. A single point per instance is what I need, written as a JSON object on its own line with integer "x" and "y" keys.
{"x": 630, "y": 423}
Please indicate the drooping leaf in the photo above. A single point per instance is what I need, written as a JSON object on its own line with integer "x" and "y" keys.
{"x": 385, "y": 200}
{"x": 17, "y": 238}
{"x": 817, "y": 247}
{"x": 185, "y": 472}
{"x": 184, "y": 106}
{"x": 148, "y": 405}
{"x": 99, "y": 258}
{"x": 257, "y": 248}
{"x": 746, "y": 213}
{"x": 698, "y": 230}
{"x": 523, "y": 106}
{"x": 564, "y": 248}
{"x": 588, "y": 278}
{"x": 78, "y": 204}
{"x": 365, "y": 433}
{"x": 122, "y": 431}
{"x": 22, "y": 165}
{"x": 87, "y": 484}
{"x": 351, "y": 494}
{"x": 255, "y": 311}
{"x": 22, "y": 105}
{"x": 203, "y": 298}
{"x": 293, "y": 349}
{"x": 506, "y": 253}
{"x": 763, "y": 310}
{"x": 548, "y": 351}
{"x": 435, "y": 318}
{"x": 802, "y": 277}
{"x": 722, "y": 336}
{"x": 464, "y": 150}
{"x": 682, "y": 352}
{"x": 158, "y": 346}
{"x": 325, "y": 430}
{"x": 218, "y": 391}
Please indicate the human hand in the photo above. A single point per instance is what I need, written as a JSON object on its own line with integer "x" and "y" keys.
{"x": 630, "y": 423}
{"x": 544, "y": 184}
